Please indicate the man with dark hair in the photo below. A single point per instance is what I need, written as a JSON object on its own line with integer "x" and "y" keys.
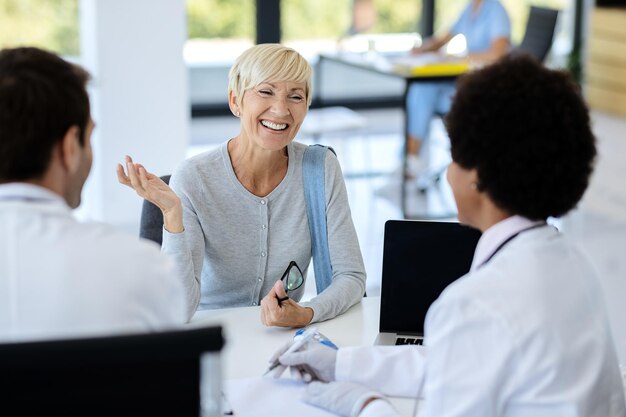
{"x": 60, "y": 278}
{"x": 526, "y": 331}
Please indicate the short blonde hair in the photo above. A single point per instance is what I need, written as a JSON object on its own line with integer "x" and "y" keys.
{"x": 268, "y": 62}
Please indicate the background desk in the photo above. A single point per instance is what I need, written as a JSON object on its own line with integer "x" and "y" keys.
{"x": 383, "y": 64}
{"x": 249, "y": 344}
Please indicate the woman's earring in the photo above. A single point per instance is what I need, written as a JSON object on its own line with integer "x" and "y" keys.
{"x": 237, "y": 113}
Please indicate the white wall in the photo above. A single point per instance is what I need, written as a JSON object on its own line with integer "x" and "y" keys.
{"x": 134, "y": 51}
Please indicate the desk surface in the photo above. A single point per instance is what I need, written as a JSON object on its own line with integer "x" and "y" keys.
{"x": 249, "y": 344}
{"x": 382, "y": 64}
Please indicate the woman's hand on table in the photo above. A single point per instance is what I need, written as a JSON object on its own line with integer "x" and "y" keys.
{"x": 285, "y": 313}
{"x": 152, "y": 188}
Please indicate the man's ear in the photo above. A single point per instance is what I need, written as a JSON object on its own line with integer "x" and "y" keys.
{"x": 474, "y": 180}
{"x": 71, "y": 149}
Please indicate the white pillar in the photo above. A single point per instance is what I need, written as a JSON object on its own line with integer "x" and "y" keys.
{"x": 134, "y": 51}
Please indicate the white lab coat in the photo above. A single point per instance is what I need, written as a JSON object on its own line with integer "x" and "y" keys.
{"x": 525, "y": 335}
{"x": 61, "y": 278}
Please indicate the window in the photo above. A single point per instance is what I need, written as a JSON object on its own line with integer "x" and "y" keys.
{"x": 47, "y": 24}
{"x": 219, "y": 30}
{"x": 315, "y": 26}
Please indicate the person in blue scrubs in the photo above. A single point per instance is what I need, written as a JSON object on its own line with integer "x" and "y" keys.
{"x": 487, "y": 30}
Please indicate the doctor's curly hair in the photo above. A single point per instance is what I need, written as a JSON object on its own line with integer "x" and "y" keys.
{"x": 526, "y": 131}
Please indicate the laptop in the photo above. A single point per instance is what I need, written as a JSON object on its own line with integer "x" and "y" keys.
{"x": 420, "y": 259}
{"x": 172, "y": 373}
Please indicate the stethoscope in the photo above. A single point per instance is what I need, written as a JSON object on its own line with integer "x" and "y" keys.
{"x": 498, "y": 249}
{"x": 509, "y": 239}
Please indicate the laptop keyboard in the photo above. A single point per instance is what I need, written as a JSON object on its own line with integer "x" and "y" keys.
{"x": 408, "y": 341}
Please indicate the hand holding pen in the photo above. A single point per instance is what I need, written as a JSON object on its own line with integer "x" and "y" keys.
{"x": 312, "y": 356}
{"x": 289, "y": 347}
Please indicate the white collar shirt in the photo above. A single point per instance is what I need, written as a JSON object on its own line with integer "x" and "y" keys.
{"x": 61, "y": 278}
{"x": 496, "y": 235}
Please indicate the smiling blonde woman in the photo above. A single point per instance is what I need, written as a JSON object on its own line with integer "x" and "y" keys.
{"x": 235, "y": 217}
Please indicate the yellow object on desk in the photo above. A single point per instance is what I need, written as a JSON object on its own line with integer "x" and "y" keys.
{"x": 429, "y": 64}
{"x": 434, "y": 69}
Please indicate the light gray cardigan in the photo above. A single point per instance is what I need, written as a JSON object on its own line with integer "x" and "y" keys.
{"x": 236, "y": 245}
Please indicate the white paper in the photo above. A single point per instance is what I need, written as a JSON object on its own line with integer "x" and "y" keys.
{"x": 262, "y": 396}
{"x": 419, "y": 60}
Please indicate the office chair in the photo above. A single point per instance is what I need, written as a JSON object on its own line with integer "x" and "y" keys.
{"x": 537, "y": 42}
{"x": 539, "y": 32}
{"x": 151, "y": 222}
{"x": 151, "y": 374}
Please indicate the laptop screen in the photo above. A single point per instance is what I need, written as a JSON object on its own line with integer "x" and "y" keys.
{"x": 420, "y": 259}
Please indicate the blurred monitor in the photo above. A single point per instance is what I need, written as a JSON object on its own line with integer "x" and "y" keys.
{"x": 153, "y": 374}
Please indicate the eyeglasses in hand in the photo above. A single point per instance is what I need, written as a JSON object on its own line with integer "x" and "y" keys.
{"x": 292, "y": 279}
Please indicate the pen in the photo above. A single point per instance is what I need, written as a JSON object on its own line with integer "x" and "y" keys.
{"x": 297, "y": 344}
{"x": 319, "y": 337}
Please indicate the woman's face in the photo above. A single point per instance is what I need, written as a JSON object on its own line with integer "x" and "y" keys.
{"x": 272, "y": 112}
{"x": 466, "y": 194}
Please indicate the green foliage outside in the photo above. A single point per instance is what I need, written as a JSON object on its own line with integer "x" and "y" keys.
{"x": 397, "y": 16}
{"x": 332, "y": 18}
{"x": 300, "y": 19}
{"x": 49, "y": 24}
{"x": 309, "y": 19}
{"x": 314, "y": 19}
{"x": 53, "y": 24}
{"x": 221, "y": 19}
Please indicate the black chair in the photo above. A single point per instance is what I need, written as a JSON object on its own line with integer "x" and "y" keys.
{"x": 153, "y": 374}
{"x": 539, "y": 32}
{"x": 151, "y": 223}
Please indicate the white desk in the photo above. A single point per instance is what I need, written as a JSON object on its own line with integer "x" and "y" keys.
{"x": 249, "y": 344}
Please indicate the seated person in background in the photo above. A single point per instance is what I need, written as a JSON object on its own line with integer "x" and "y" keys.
{"x": 235, "y": 217}
{"x": 487, "y": 30}
{"x": 60, "y": 278}
{"x": 525, "y": 332}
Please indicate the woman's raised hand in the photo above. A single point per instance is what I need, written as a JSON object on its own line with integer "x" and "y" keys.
{"x": 153, "y": 189}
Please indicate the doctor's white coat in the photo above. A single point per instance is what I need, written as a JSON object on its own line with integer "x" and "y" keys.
{"x": 526, "y": 335}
